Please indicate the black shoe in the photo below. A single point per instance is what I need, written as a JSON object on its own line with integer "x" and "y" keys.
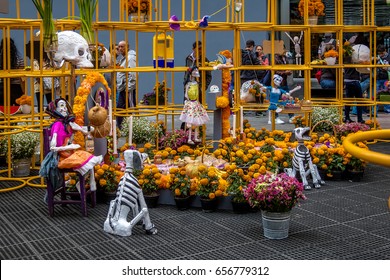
{"x": 362, "y": 121}
{"x": 347, "y": 121}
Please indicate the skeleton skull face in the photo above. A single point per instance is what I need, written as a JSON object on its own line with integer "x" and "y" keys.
{"x": 278, "y": 80}
{"x": 195, "y": 73}
{"x": 62, "y": 108}
{"x": 302, "y": 134}
{"x": 74, "y": 48}
{"x": 134, "y": 160}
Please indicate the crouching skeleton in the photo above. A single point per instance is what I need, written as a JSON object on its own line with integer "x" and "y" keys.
{"x": 129, "y": 197}
{"x": 302, "y": 160}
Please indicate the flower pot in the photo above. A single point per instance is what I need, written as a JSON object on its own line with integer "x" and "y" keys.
{"x": 26, "y": 109}
{"x": 209, "y": 205}
{"x": 330, "y": 60}
{"x": 241, "y": 207}
{"x": 151, "y": 200}
{"x": 354, "y": 175}
{"x": 336, "y": 175}
{"x": 276, "y": 224}
{"x": 21, "y": 167}
{"x": 313, "y": 20}
{"x": 141, "y": 18}
{"x": 183, "y": 203}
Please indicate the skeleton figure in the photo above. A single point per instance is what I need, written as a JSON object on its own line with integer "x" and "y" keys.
{"x": 297, "y": 47}
{"x": 302, "y": 160}
{"x": 129, "y": 197}
{"x": 72, "y": 47}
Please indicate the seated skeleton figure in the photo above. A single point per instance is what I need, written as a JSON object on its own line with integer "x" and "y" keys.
{"x": 302, "y": 163}
{"x": 129, "y": 201}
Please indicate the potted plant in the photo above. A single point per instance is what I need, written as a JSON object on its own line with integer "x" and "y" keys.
{"x": 356, "y": 166}
{"x": 132, "y": 8}
{"x": 324, "y": 118}
{"x": 180, "y": 185}
{"x": 209, "y": 187}
{"x": 143, "y": 130}
{"x": 235, "y": 189}
{"x": 22, "y": 148}
{"x": 107, "y": 179}
{"x": 315, "y": 8}
{"x": 45, "y": 10}
{"x": 275, "y": 195}
{"x": 331, "y": 56}
{"x": 346, "y": 128}
{"x": 150, "y": 181}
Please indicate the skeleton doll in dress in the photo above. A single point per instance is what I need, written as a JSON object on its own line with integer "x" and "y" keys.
{"x": 129, "y": 200}
{"x": 302, "y": 163}
{"x": 61, "y": 141}
{"x": 193, "y": 114}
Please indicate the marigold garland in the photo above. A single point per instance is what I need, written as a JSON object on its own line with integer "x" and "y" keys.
{"x": 81, "y": 98}
{"x": 222, "y": 102}
{"x": 226, "y": 79}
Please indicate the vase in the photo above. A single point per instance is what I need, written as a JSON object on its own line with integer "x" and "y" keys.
{"x": 143, "y": 17}
{"x": 276, "y": 224}
{"x": 26, "y": 109}
{"x": 354, "y": 175}
{"x": 209, "y": 205}
{"x": 183, "y": 203}
{"x": 151, "y": 200}
{"x": 313, "y": 20}
{"x": 21, "y": 167}
{"x": 330, "y": 60}
{"x": 241, "y": 207}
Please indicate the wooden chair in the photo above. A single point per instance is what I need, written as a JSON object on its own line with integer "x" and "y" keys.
{"x": 61, "y": 195}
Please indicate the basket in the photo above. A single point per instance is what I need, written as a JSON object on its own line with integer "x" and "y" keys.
{"x": 324, "y": 121}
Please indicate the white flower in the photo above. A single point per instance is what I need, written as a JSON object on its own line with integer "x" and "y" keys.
{"x": 23, "y": 144}
{"x": 144, "y": 131}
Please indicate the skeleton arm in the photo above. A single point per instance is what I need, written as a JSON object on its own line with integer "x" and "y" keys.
{"x": 54, "y": 148}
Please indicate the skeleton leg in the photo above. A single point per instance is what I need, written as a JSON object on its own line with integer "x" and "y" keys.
{"x": 149, "y": 227}
{"x": 302, "y": 172}
{"x": 189, "y": 136}
{"x": 322, "y": 182}
{"x": 197, "y": 135}
{"x": 316, "y": 182}
{"x": 108, "y": 223}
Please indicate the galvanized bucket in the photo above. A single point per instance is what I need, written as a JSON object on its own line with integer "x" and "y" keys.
{"x": 276, "y": 224}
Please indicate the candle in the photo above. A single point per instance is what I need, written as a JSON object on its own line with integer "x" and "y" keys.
{"x": 131, "y": 130}
{"x": 241, "y": 119}
{"x": 114, "y": 140}
{"x": 110, "y": 115}
{"x": 234, "y": 126}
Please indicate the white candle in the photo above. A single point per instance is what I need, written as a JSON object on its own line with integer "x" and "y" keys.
{"x": 131, "y": 130}
{"x": 114, "y": 140}
{"x": 110, "y": 115}
{"x": 241, "y": 119}
{"x": 234, "y": 126}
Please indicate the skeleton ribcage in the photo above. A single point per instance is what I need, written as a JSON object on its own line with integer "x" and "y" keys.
{"x": 301, "y": 153}
{"x": 130, "y": 191}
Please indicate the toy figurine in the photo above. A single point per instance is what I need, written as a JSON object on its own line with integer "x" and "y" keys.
{"x": 129, "y": 200}
{"x": 278, "y": 96}
{"x": 193, "y": 114}
{"x": 302, "y": 160}
{"x": 297, "y": 47}
{"x": 70, "y": 157}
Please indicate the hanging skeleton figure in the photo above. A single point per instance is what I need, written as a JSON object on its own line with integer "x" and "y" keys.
{"x": 193, "y": 114}
{"x": 297, "y": 48}
{"x": 129, "y": 198}
{"x": 302, "y": 160}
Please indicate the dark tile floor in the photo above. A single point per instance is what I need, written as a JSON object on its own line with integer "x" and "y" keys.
{"x": 342, "y": 220}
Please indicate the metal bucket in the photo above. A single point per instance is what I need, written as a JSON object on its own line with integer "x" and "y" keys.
{"x": 21, "y": 167}
{"x": 276, "y": 224}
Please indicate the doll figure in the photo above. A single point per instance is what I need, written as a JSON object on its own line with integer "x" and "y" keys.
{"x": 277, "y": 94}
{"x": 193, "y": 114}
{"x": 297, "y": 48}
{"x": 70, "y": 157}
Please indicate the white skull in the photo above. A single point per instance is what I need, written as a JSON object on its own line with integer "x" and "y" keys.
{"x": 74, "y": 48}
{"x": 214, "y": 89}
{"x": 278, "y": 80}
{"x": 361, "y": 55}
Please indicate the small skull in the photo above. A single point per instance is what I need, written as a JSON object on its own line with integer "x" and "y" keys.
{"x": 74, "y": 48}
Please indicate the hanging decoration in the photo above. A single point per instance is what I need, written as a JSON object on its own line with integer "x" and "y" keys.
{"x": 173, "y": 25}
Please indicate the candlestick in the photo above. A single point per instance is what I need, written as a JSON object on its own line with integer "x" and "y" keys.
{"x": 114, "y": 140}
{"x": 234, "y": 126}
{"x": 241, "y": 119}
{"x": 131, "y": 130}
{"x": 110, "y": 115}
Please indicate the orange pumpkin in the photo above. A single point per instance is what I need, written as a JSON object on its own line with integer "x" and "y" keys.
{"x": 97, "y": 115}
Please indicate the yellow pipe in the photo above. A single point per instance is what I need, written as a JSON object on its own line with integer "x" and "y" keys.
{"x": 370, "y": 156}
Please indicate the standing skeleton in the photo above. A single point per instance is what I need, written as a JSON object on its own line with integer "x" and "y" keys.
{"x": 129, "y": 197}
{"x": 297, "y": 47}
{"x": 302, "y": 160}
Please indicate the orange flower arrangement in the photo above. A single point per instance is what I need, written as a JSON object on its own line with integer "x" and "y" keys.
{"x": 24, "y": 100}
{"x": 226, "y": 79}
{"x": 132, "y": 6}
{"x": 81, "y": 98}
{"x": 331, "y": 53}
{"x": 316, "y": 7}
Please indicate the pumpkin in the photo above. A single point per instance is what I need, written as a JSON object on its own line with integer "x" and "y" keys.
{"x": 97, "y": 115}
{"x": 101, "y": 131}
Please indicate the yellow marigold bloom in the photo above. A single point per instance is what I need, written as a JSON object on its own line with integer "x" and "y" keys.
{"x": 146, "y": 171}
{"x": 148, "y": 146}
{"x": 102, "y": 182}
{"x": 285, "y": 164}
{"x": 182, "y": 172}
{"x": 155, "y": 170}
{"x": 190, "y": 151}
{"x": 112, "y": 169}
{"x": 204, "y": 181}
{"x": 262, "y": 169}
{"x": 259, "y": 161}
{"x": 141, "y": 150}
{"x": 316, "y": 160}
{"x": 217, "y": 152}
{"x": 96, "y": 167}
{"x": 173, "y": 152}
{"x": 100, "y": 172}
{"x": 105, "y": 166}
{"x": 218, "y": 193}
{"x": 72, "y": 182}
{"x": 177, "y": 192}
{"x": 211, "y": 173}
{"x": 202, "y": 168}
{"x": 212, "y": 195}
{"x": 157, "y": 175}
